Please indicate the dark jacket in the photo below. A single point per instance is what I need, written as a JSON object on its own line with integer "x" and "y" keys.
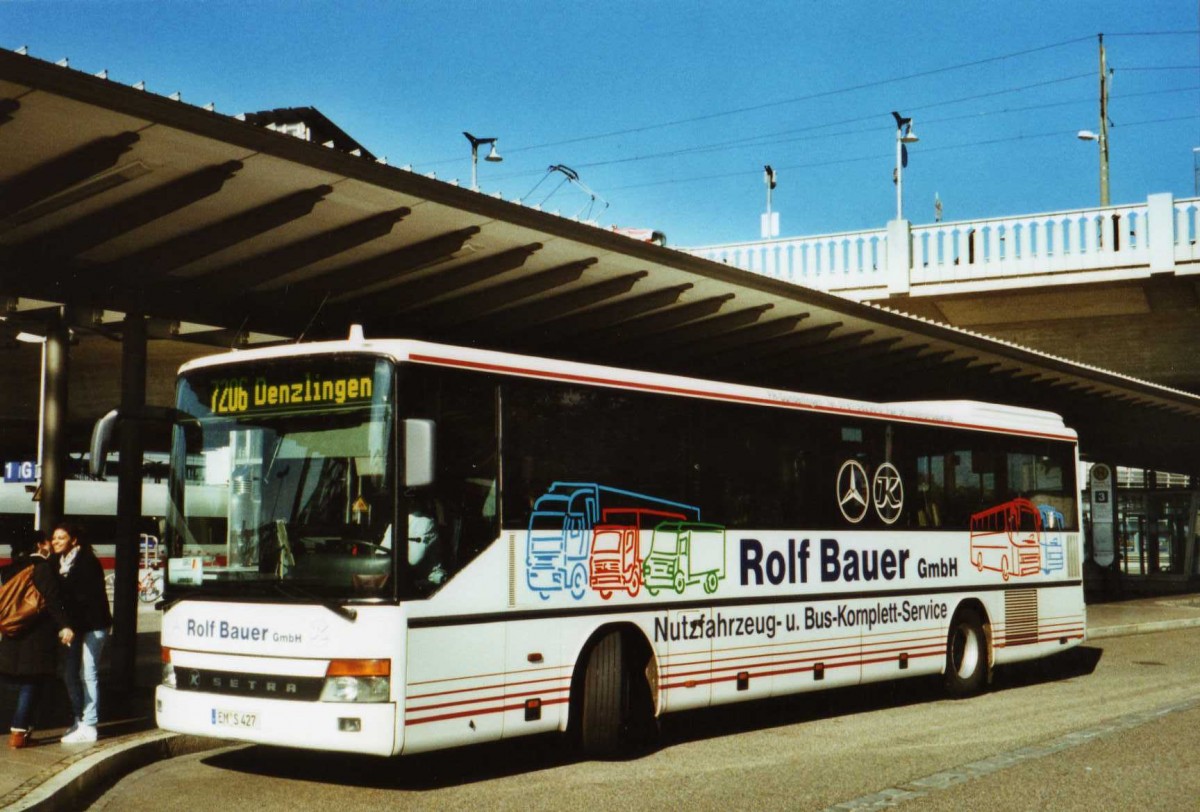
{"x": 83, "y": 592}
{"x": 34, "y": 652}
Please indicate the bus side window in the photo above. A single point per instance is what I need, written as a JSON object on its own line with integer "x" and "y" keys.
{"x": 461, "y": 503}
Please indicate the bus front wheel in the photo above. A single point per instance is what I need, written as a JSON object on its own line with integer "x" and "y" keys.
{"x": 616, "y": 714}
{"x": 966, "y": 654}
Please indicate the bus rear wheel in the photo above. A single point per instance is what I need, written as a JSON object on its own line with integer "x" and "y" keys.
{"x": 966, "y": 654}
{"x": 616, "y": 713}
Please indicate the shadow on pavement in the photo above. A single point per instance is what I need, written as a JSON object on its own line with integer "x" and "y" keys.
{"x": 446, "y": 768}
{"x": 123, "y": 708}
{"x": 467, "y": 765}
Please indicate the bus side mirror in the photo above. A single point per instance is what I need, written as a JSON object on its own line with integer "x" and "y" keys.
{"x": 101, "y": 438}
{"x": 103, "y": 430}
{"x": 418, "y": 452}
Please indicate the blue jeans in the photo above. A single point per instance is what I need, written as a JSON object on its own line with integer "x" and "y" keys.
{"x": 81, "y": 673}
{"x": 29, "y": 690}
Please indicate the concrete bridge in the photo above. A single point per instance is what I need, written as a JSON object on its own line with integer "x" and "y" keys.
{"x": 1118, "y": 286}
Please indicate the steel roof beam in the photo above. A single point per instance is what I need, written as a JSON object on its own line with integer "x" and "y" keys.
{"x": 746, "y": 337}
{"x": 413, "y": 293}
{"x": 523, "y": 317}
{"x": 664, "y": 320}
{"x": 789, "y": 360}
{"x": 612, "y": 313}
{"x": 8, "y": 107}
{"x": 711, "y": 327}
{"x": 259, "y": 270}
{"x": 881, "y": 385}
{"x": 134, "y": 212}
{"x": 471, "y": 306}
{"x": 942, "y": 383}
{"x": 62, "y": 172}
{"x": 389, "y": 266}
{"x": 735, "y": 359}
{"x": 828, "y": 364}
{"x": 892, "y": 359}
{"x": 207, "y": 240}
{"x": 817, "y": 334}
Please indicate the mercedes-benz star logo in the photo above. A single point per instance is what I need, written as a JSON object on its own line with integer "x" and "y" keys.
{"x": 852, "y": 492}
{"x": 888, "y": 492}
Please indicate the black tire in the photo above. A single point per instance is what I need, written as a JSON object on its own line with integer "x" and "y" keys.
{"x": 966, "y": 654}
{"x": 616, "y": 714}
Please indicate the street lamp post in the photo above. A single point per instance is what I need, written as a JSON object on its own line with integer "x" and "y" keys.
{"x": 492, "y": 156}
{"x": 1196, "y": 171}
{"x": 1101, "y": 137}
{"x": 904, "y": 136}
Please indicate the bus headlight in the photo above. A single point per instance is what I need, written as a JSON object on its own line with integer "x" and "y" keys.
{"x": 357, "y": 681}
{"x": 356, "y": 689}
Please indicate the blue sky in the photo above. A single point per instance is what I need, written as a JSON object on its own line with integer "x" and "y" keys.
{"x": 668, "y": 110}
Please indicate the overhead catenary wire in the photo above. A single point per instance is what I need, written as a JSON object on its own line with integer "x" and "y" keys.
{"x": 762, "y": 139}
{"x": 740, "y": 143}
{"x": 807, "y": 97}
{"x": 886, "y": 155}
{"x": 827, "y": 129}
{"x": 781, "y": 102}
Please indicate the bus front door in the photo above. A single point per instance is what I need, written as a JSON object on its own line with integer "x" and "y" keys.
{"x": 686, "y": 675}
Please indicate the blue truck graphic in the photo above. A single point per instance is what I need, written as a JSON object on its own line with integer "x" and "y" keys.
{"x": 1052, "y": 538}
{"x": 560, "y": 532}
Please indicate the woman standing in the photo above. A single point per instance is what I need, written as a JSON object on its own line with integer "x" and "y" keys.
{"x": 28, "y": 659}
{"x": 86, "y": 601}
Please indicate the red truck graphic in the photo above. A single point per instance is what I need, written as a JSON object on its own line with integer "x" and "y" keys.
{"x": 1007, "y": 539}
{"x": 616, "y": 562}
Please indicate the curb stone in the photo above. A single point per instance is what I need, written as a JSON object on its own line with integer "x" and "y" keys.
{"x": 1143, "y": 628}
{"x": 80, "y": 778}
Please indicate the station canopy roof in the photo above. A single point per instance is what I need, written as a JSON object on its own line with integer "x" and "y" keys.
{"x": 117, "y": 200}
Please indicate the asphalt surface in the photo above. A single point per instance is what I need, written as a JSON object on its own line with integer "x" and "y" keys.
{"x": 55, "y": 776}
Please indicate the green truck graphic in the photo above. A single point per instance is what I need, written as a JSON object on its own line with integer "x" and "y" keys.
{"x": 683, "y": 554}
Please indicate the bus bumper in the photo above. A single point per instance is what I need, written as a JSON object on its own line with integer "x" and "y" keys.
{"x": 347, "y": 727}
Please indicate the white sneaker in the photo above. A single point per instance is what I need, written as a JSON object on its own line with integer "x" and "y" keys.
{"x": 82, "y": 734}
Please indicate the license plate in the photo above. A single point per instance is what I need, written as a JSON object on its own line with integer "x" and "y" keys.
{"x": 237, "y": 719}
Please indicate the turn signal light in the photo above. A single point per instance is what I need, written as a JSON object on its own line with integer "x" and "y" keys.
{"x": 359, "y": 668}
{"x": 168, "y": 670}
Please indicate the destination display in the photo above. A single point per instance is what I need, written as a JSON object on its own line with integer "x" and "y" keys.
{"x": 317, "y": 385}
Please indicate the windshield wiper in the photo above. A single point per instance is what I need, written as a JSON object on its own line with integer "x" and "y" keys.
{"x": 300, "y": 592}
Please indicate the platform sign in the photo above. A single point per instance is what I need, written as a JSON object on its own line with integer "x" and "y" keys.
{"x": 1103, "y": 494}
{"x": 20, "y": 472}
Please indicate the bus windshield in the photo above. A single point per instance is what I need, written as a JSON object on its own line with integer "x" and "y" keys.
{"x": 285, "y": 489}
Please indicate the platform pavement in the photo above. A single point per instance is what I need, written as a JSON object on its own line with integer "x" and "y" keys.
{"x": 54, "y": 776}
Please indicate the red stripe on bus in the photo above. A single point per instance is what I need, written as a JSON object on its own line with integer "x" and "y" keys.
{"x": 461, "y": 702}
{"x": 1046, "y": 638}
{"x": 478, "y": 712}
{"x": 785, "y": 671}
{"x": 107, "y": 563}
{"x": 912, "y": 649}
{"x": 481, "y": 687}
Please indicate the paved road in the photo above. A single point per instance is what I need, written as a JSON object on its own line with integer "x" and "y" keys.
{"x": 1109, "y": 725}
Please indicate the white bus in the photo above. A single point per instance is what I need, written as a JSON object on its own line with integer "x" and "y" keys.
{"x": 805, "y": 542}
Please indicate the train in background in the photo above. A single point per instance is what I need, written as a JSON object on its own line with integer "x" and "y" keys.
{"x": 90, "y": 504}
